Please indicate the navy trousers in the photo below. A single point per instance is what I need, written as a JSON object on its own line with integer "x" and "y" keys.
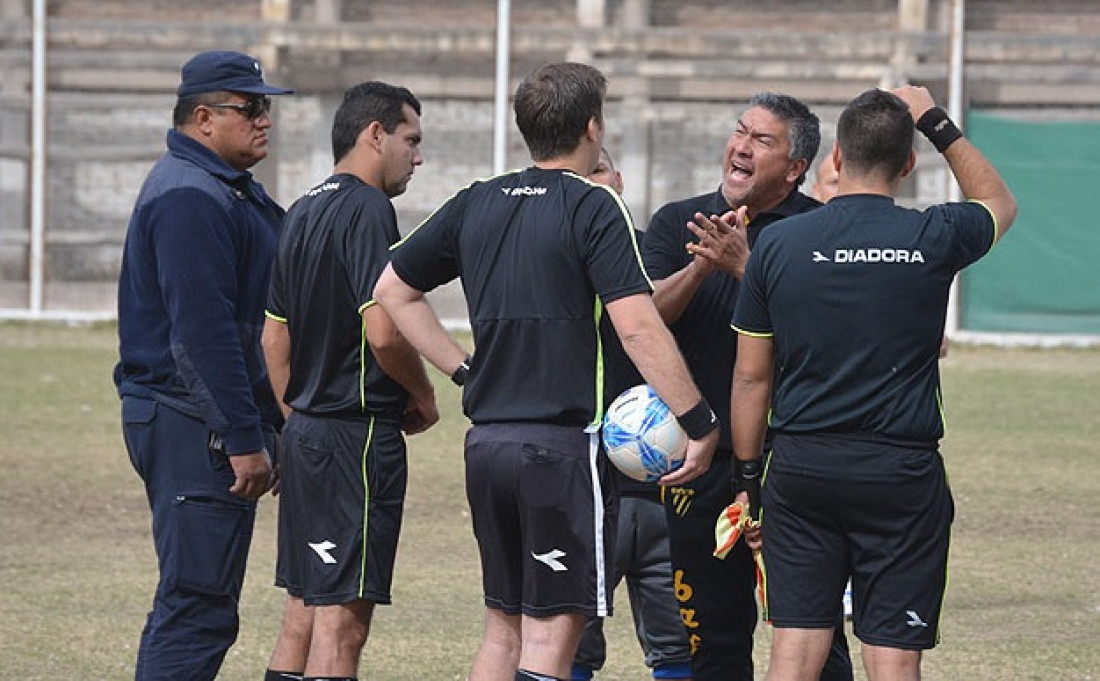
{"x": 202, "y": 534}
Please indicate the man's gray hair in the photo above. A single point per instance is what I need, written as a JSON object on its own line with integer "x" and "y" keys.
{"x": 804, "y": 126}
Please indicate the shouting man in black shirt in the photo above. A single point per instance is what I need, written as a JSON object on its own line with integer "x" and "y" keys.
{"x": 765, "y": 160}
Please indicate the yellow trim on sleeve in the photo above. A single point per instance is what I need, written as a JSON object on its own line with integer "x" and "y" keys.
{"x": 274, "y": 317}
{"x": 753, "y": 334}
{"x": 996, "y": 227}
{"x": 626, "y": 215}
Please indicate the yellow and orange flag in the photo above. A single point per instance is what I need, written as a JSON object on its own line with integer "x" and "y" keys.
{"x": 732, "y": 523}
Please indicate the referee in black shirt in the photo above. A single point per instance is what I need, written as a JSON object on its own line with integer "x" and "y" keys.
{"x": 840, "y": 317}
{"x": 542, "y": 254}
{"x": 349, "y": 385}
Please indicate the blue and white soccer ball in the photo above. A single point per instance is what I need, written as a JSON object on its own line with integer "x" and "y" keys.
{"x": 642, "y": 436}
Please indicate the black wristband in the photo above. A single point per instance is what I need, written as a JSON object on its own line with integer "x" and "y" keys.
{"x": 699, "y": 421}
{"x": 938, "y": 127}
{"x": 746, "y": 478}
{"x": 460, "y": 374}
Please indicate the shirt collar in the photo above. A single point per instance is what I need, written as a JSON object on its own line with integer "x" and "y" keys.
{"x": 721, "y": 206}
{"x": 187, "y": 148}
{"x": 794, "y": 203}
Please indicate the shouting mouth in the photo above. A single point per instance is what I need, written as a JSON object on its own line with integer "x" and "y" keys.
{"x": 739, "y": 172}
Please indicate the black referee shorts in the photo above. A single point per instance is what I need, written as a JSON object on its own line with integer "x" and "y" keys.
{"x": 836, "y": 506}
{"x": 342, "y": 492}
{"x": 544, "y": 513}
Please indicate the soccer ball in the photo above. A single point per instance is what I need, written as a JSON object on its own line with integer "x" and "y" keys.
{"x": 642, "y": 436}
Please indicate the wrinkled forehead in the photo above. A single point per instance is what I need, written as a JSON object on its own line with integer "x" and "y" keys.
{"x": 759, "y": 121}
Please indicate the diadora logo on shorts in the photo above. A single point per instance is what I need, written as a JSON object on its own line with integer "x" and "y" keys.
{"x": 550, "y": 558}
{"x": 322, "y": 549}
{"x": 874, "y": 255}
{"x": 914, "y": 619}
{"x": 523, "y": 191}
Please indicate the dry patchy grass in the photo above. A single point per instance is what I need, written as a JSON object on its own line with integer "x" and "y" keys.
{"x": 78, "y": 568}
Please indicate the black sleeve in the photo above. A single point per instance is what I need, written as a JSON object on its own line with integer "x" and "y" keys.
{"x": 973, "y": 229}
{"x": 663, "y": 249}
{"x": 367, "y": 243}
{"x": 751, "y": 315}
{"x": 610, "y": 246}
{"x": 428, "y": 257}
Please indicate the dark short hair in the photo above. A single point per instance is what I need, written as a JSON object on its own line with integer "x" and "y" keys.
{"x": 186, "y": 105}
{"x": 804, "y": 128}
{"x": 554, "y": 104}
{"x": 364, "y": 103}
{"x": 875, "y": 134}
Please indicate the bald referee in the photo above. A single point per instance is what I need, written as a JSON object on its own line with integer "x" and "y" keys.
{"x": 846, "y": 305}
{"x": 542, "y": 254}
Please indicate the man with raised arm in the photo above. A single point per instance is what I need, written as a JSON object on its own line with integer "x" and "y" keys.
{"x": 840, "y": 318}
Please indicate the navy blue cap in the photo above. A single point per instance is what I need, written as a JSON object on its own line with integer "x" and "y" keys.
{"x": 221, "y": 70}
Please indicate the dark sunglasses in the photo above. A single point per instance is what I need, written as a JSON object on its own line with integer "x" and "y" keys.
{"x": 252, "y": 109}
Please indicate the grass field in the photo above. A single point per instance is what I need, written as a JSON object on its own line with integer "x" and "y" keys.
{"x": 77, "y": 566}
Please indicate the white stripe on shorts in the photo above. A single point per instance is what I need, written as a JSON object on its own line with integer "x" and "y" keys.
{"x": 597, "y": 515}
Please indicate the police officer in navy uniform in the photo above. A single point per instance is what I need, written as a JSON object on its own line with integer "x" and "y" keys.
{"x": 198, "y": 415}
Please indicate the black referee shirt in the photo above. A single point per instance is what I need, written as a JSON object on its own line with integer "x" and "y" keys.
{"x": 534, "y": 248}
{"x": 855, "y": 295}
{"x": 334, "y": 246}
{"x": 703, "y": 331}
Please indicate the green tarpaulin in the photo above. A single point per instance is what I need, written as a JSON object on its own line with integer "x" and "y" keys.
{"x": 1044, "y": 277}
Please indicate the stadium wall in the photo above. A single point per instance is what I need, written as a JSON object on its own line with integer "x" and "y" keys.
{"x": 680, "y": 71}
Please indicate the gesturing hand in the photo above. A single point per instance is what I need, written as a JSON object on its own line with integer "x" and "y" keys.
{"x": 723, "y": 242}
